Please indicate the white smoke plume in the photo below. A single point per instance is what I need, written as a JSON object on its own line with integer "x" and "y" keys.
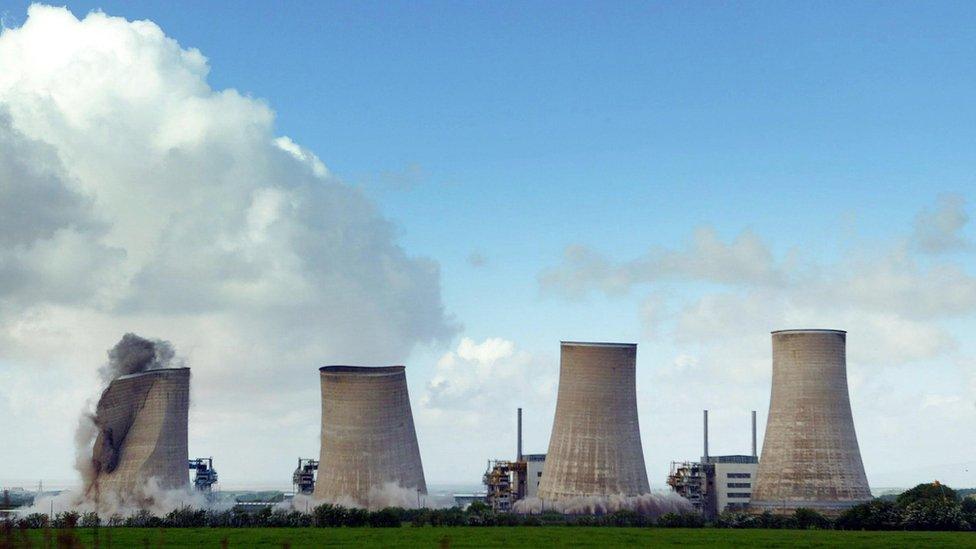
{"x": 651, "y": 505}
{"x": 389, "y": 494}
{"x": 148, "y": 497}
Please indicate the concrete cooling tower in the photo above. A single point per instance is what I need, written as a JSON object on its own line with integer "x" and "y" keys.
{"x": 142, "y": 432}
{"x": 810, "y": 457}
{"x": 368, "y": 436}
{"x": 595, "y": 446}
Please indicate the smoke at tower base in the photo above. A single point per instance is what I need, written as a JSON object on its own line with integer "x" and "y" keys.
{"x": 651, "y": 505}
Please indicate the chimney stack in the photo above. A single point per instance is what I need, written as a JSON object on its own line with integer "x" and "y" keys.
{"x": 519, "y": 458}
{"x": 754, "y": 454}
{"x": 705, "y": 426}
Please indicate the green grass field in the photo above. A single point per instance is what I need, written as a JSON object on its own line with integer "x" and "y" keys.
{"x": 493, "y": 537}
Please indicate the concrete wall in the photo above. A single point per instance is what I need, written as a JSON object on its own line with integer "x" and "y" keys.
{"x": 534, "y": 468}
{"x": 722, "y": 481}
{"x": 595, "y": 446}
{"x": 810, "y": 456}
{"x": 368, "y": 435}
{"x": 142, "y": 421}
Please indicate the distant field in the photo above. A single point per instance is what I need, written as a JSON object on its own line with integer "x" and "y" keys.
{"x": 557, "y": 536}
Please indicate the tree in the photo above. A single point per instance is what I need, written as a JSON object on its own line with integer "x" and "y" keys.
{"x": 877, "y": 514}
{"x": 934, "y": 490}
{"x": 934, "y": 514}
{"x": 807, "y": 519}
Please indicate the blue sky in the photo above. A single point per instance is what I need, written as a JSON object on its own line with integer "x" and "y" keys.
{"x": 512, "y": 131}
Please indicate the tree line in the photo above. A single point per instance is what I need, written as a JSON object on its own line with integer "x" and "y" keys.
{"x": 925, "y": 507}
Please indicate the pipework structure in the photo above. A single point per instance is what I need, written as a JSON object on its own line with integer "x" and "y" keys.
{"x": 595, "y": 446}
{"x": 205, "y": 476}
{"x": 142, "y": 433}
{"x": 810, "y": 456}
{"x": 368, "y": 435}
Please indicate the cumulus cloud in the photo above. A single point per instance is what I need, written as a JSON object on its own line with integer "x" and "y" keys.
{"x": 133, "y": 196}
{"x": 940, "y": 229}
{"x": 476, "y": 388}
{"x": 477, "y": 378}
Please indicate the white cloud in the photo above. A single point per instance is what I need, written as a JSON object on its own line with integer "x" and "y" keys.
{"x": 133, "y": 197}
{"x": 746, "y": 260}
{"x": 471, "y": 400}
{"x": 473, "y": 382}
{"x": 941, "y": 229}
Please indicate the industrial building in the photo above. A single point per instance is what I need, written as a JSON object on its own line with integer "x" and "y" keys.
{"x": 142, "y": 433}
{"x": 303, "y": 479}
{"x": 716, "y": 484}
{"x": 595, "y": 446}
{"x": 810, "y": 455}
{"x": 204, "y": 474}
{"x": 368, "y": 436}
{"x": 509, "y": 481}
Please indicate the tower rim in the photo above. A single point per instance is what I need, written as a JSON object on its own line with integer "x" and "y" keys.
{"x": 808, "y": 331}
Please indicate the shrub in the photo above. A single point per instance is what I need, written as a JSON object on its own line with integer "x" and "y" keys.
{"x": 930, "y": 491}
{"x": 531, "y": 520}
{"x": 329, "y": 516}
{"x": 681, "y": 520}
{"x": 808, "y": 519}
{"x": 34, "y": 520}
{"x": 731, "y": 519}
{"x": 625, "y": 517}
{"x": 143, "y": 519}
{"x": 356, "y": 517}
{"x": 389, "y": 517}
{"x": 66, "y": 519}
{"x": 478, "y": 507}
{"x": 90, "y": 520}
{"x": 115, "y": 521}
{"x": 934, "y": 514}
{"x": 186, "y": 517}
{"x": 877, "y": 514}
{"x": 280, "y": 518}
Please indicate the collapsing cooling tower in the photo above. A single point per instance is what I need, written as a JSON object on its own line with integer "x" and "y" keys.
{"x": 368, "y": 437}
{"x": 142, "y": 432}
{"x": 810, "y": 456}
{"x": 595, "y": 446}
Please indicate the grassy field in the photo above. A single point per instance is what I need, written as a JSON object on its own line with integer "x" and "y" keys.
{"x": 491, "y": 537}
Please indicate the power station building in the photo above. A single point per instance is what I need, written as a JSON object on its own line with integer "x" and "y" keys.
{"x": 810, "y": 456}
{"x": 509, "y": 481}
{"x": 595, "y": 446}
{"x": 368, "y": 436}
{"x": 716, "y": 484}
{"x": 142, "y": 433}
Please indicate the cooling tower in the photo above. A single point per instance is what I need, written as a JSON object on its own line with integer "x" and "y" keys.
{"x": 368, "y": 437}
{"x": 595, "y": 446}
{"x": 142, "y": 432}
{"x": 810, "y": 456}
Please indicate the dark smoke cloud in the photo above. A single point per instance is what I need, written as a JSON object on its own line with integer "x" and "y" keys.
{"x": 134, "y": 354}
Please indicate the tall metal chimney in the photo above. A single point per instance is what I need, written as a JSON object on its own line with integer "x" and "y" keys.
{"x": 810, "y": 456}
{"x": 754, "y": 454}
{"x": 519, "y": 435}
{"x": 705, "y": 430}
